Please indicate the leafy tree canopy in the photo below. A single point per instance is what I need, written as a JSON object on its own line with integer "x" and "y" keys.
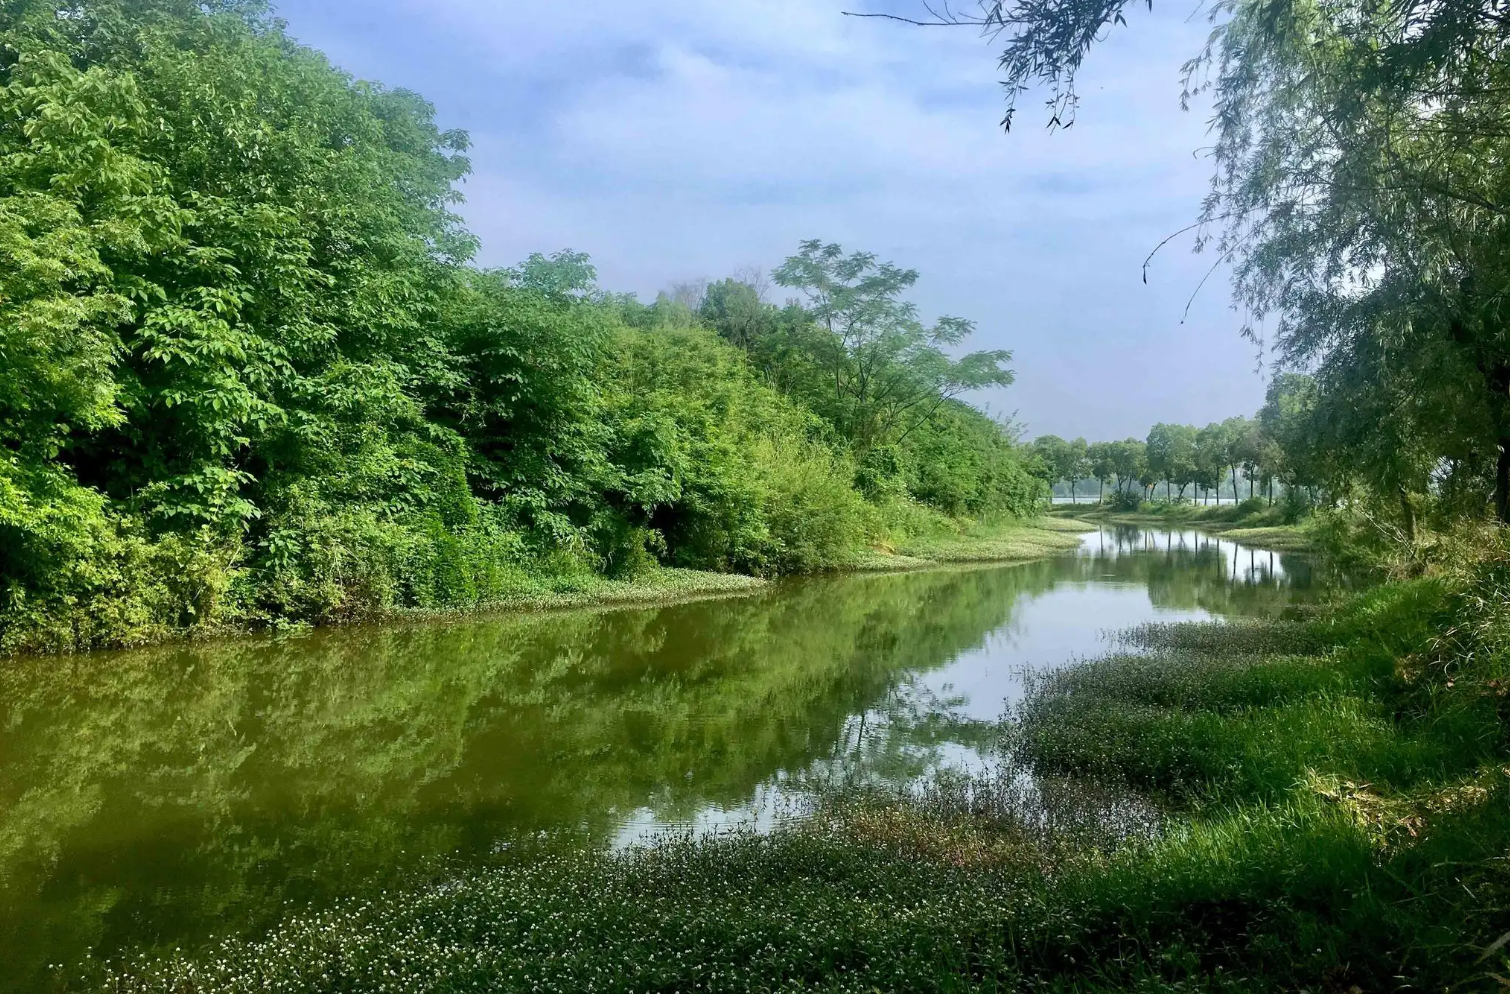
{"x": 248, "y": 373}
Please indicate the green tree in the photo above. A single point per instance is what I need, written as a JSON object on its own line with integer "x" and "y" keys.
{"x": 1171, "y": 454}
{"x": 888, "y": 371}
{"x": 734, "y": 309}
{"x": 1063, "y": 460}
{"x": 1210, "y": 458}
{"x": 964, "y": 463}
{"x": 1249, "y": 451}
{"x": 1233, "y": 430}
{"x": 1103, "y": 460}
{"x": 1077, "y": 465}
{"x": 1129, "y": 461}
{"x": 1289, "y": 419}
{"x": 264, "y": 254}
{"x": 562, "y": 277}
{"x": 529, "y": 347}
{"x": 1050, "y": 452}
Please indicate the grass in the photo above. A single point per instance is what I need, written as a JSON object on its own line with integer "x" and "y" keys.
{"x": 1281, "y": 538}
{"x": 944, "y": 542}
{"x": 583, "y": 589}
{"x": 1318, "y": 806}
{"x": 1003, "y": 542}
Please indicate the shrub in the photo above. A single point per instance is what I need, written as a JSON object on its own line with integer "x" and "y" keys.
{"x": 815, "y": 519}
{"x": 1251, "y": 505}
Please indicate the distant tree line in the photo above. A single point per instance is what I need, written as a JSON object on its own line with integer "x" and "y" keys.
{"x": 1255, "y": 457}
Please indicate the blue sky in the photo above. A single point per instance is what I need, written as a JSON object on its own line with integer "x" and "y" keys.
{"x": 678, "y": 140}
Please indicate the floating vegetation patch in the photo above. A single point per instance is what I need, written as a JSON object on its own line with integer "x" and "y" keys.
{"x": 1229, "y": 638}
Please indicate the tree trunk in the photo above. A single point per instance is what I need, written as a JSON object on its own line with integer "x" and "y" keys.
{"x": 1234, "y": 483}
{"x": 1502, "y": 483}
{"x": 1409, "y": 515}
{"x": 1074, "y": 486}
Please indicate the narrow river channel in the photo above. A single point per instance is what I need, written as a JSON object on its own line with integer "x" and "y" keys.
{"x": 152, "y": 800}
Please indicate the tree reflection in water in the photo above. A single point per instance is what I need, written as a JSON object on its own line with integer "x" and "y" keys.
{"x": 150, "y": 798}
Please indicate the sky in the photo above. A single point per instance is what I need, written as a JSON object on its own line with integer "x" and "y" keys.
{"x": 681, "y": 139}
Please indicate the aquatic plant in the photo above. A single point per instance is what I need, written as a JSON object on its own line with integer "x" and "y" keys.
{"x": 1335, "y": 816}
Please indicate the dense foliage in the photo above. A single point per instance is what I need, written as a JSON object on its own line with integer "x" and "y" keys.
{"x": 247, "y": 373}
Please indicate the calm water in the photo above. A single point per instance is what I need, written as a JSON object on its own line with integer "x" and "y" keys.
{"x": 153, "y": 799}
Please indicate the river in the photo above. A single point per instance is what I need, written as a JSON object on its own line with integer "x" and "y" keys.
{"x": 151, "y": 800}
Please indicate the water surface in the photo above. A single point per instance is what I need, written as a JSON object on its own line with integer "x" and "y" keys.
{"x": 150, "y": 800}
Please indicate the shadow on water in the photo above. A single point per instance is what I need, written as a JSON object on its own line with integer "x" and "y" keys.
{"x": 150, "y": 799}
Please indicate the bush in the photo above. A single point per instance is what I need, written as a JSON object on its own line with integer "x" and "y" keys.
{"x": 1126, "y": 502}
{"x": 1251, "y": 505}
{"x": 815, "y": 519}
{"x": 78, "y": 574}
{"x": 1295, "y": 506}
{"x": 963, "y": 463}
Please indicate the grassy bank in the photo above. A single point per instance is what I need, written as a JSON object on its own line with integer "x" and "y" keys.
{"x": 1318, "y": 805}
{"x": 924, "y": 540}
{"x": 1251, "y": 522}
{"x": 653, "y": 586}
{"x": 951, "y": 542}
{"x": 1281, "y": 538}
{"x": 944, "y": 542}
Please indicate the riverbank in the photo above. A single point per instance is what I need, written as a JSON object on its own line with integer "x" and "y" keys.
{"x": 976, "y": 542}
{"x": 1250, "y": 523}
{"x": 1001, "y": 542}
{"x": 1319, "y": 805}
{"x": 939, "y": 542}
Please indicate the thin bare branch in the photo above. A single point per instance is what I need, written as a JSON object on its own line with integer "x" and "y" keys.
{"x": 906, "y": 20}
